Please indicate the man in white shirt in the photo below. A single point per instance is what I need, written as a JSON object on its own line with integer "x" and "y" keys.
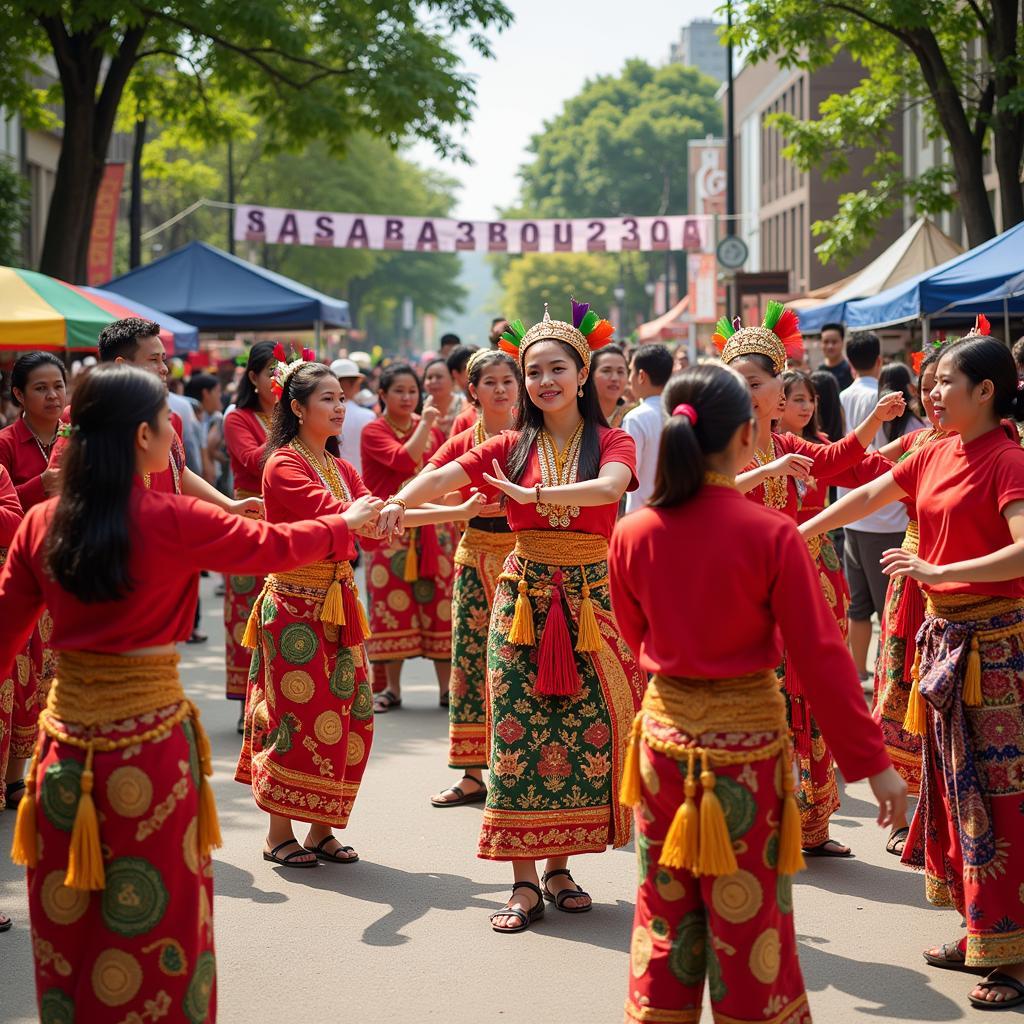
{"x": 356, "y": 417}
{"x": 649, "y": 371}
{"x": 867, "y": 538}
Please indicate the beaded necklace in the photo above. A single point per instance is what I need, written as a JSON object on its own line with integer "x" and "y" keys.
{"x": 44, "y": 449}
{"x": 556, "y": 470}
{"x": 719, "y": 480}
{"x": 327, "y": 470}
{"x": 398, "y": 431}
{"x": 776, "y": 491}
{"x": 264, "y": 422}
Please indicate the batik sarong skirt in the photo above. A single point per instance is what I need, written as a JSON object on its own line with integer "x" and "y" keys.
{"x": 34, "y": 671}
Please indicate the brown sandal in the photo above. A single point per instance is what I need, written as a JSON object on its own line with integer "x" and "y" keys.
{"x": 952, "y": 958}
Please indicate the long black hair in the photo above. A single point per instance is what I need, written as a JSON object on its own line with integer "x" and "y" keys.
{"x": 830, "y": 409}
{"x": 88, "y": 544}
{"x": 531, "y": 419}
{"x": 284, "y": 427}
{"x": 983, "y": 358}
{"x": 24, "y": 366}
{"x": 259, "y": 355}
{"x": 721, "y": 400}
{"x": 896, "y": 378}
{"x": 812, "y": 428}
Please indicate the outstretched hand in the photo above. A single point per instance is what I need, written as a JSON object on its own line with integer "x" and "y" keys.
{"x": 520, "y": 495}
{"x": 897, "y": 562}
{"x": 890, "y": 406}
{"x": 891, "y": 793}
{"x": 794, "y": 465}
{"x": 251, "y": 508}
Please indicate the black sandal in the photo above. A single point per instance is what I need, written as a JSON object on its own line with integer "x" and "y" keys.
{"x": 897, "y": 835}
{"x": 559, "y": 898}
{"x": 444, "y": 701}
{"x": 1006, "y": 981}
{"x": 464, "y": 798}
{"x": 955, "y": 962}
{"x": 12, "y": 790}
{"x": 829, "y": 848}
{"x": 5, "y": 923}
{"x": 385, "y": 701}
{"x": 290, "y": 861}
{"x": 333, "y": 858}
{"x": 525, "y": 918}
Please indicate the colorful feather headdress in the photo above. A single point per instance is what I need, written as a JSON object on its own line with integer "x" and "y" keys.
{"x": 981, "y": 329}
{"x": 587, "y": 333}
{"x": 778, "y": 338}
{"x": 285, "y": 367}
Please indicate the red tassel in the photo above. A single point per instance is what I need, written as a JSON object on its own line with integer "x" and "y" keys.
{"x": 556, "y": 662}
{"x": 351, "y": 634}
{"x": 430, "y": 552}
{"x": 907, "y": 621}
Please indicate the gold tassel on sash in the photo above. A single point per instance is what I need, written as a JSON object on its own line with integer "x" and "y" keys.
{"x": 522, "y": 630}
{"x": 972, "y": 676}
{"x": 251, "y": 636}
{"x": 364, "y": 622}
{"x": 716, "y": 856}
{"x": 589, "y": 636}
{"x": 318, "y": 581}
{"x": 208, "y": 829}
{"x": 915, "y": 722}
{"x": 791, "y": 855}
{"x": 332, "y": 610}
{"x": 629, "y": 788}
{"x": 24, "y": 848}
{"x": 681, "y": 849}
{"x": 411, "y": 573}
{"x": 85, "y": 855}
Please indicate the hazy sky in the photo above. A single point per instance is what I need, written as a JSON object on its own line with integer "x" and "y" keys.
{"x": 541, "y": 61}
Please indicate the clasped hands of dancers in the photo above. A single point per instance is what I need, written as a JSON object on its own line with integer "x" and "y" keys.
{"x": 614, "y": 691}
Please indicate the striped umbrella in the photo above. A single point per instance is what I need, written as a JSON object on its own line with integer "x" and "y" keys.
{"x": 40, "y": 312}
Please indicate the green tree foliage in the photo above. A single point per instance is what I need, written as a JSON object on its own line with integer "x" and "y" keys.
{"x": 307, "y": 70}
{"x": 13, "y": 213}
{"x": 960, "y": 64}
{"x": 617, "y": 148}
{"x": 536, "y": 278}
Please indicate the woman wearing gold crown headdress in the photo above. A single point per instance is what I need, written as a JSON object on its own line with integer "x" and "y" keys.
{"x": 760, "y": 354}
{"x": 562, "y": 687}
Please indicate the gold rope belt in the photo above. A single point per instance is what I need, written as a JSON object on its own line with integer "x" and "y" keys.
{"x": 698, "y": 840}
{"x": 912, "y": 538}
{"x": 481, "y": 542}
{"x": 560, "y": 547}
{"x": 91, "y": 690}
{"x": 971, "y": 607}
{"x": 311, "y": 581}
{"x": 240, "y": 492}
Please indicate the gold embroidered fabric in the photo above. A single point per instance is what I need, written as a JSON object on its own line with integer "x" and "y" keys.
{"x": 311, "y": 581}
{"x": 557, "y": 469}
{"x": 326, "y": 470}
{"x": 475, "y": 542}
{"x": 776, "y": 488}
{"x": 561, "y": 548}
{"x": 912, "y": 538}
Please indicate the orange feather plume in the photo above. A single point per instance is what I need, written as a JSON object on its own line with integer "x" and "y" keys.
{"x": 600, "y": 335}
{"x": 916, "y": 359}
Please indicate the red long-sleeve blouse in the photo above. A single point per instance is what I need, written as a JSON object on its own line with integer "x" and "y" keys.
{"x": 11, "y": 512}
{"x": 293, "y": 491}
{"x": 713, "y": 588}
{"x": 24, "y": 460}
{"x": 245, "y": 439}
{"x": 172, "y": 538}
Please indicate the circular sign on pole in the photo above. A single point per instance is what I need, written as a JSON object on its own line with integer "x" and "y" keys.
{"x": 732, "y": 252}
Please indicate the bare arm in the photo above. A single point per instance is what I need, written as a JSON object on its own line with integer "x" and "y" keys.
{"x": 417, "y": 443}
{"x": 1006, "y": 563}
{"x": 888, "y": 408}
{"x": 196, "y": 487}
{"x": 855, "y": 505}
{"x": 789, "y": 465}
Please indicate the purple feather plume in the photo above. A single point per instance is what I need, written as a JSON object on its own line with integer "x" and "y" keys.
{"x": 579, "y": 311}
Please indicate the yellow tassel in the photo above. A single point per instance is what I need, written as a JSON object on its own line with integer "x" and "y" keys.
{"x": 412, "y": 565}
{"x": 85, "y": 856}
{"x": 716, "y": 855}
{"x": 681, "y": 843}
{"x": 251, "y": 636}
{"x": 333, "y": 608}
{"x": 24, "y": 848}
{"x": 791, "y": 857}
{"x": 522, "y": 631}
{"x": 364, "y": 623}
{"x": 629, "y": 790}
{"x": 589, "y": 636}
{"x": 915, "y": 721}
{"x": 208, "y": 829}
{"x": 972, "y": 677}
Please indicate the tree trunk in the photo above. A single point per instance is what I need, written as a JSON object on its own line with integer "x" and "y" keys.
{"x": 1007, "y": 124}
{"x": 135, "y": 211}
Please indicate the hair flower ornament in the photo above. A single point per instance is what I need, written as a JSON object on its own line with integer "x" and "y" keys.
{"x": 285, "y": 367}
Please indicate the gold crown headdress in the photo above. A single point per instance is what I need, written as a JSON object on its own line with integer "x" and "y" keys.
{"x": 778, "y": 338}
{"x": 585, "y": 334}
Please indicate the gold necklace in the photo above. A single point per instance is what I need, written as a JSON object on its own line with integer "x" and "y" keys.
{"x": 558, "y": 468}
{"x": 264, "y": 422}
{"x": 398, "y": 431}
{"x": 776, "y": 490}
{"x": 44, "y": 449}
{"x": 327, "y": 470}
{"x": 480, "y": 433}
{"x": 713, "y": 479}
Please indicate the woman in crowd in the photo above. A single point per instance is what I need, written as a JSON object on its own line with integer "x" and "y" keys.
{"x": 759, "y": 354}
{"x": 610, "y": 371}
{"x": 896, "y": 378}
{"x": 493, "y": 384}
{"x": 830, "y": 409}
{"x": 245, "y": 433}
{"x": 968, "y": 492}
{"x": 119, "y": 814}
{"x": 715, "y": 895}
{"x": 39, "y": 390}
{"x": 409, "y": 578}
{"x": 562, "y": 687}
{"x": 440, "y": 387}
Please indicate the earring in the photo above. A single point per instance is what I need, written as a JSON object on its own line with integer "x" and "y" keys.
{"x": 301, "y": 421}
{"x": 579, "y": 391}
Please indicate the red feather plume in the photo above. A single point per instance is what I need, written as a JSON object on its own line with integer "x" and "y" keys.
{"x": 507, "y": 346}
{"x": 308, "y": 355}
{"x": 916, "y": 359}
{"x": 787, "y": 330}
{"x": 982, "y": 326}
{"x": 279, "y": 353}
{"x": 720, "y": 341}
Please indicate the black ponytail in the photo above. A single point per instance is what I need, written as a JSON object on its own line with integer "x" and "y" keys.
{"x": 721, "y": 400}
{"x": 983, "y": 358}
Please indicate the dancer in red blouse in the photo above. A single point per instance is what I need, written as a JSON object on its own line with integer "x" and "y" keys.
{"x": 118, "y": 822}
{"x": 559, "y": 705}
{"x": 245, "y": 437}
{"x": 967, "y": 833}
{"x": 409, "y": 578}
{"x": 715, "y": 896}
{"x": 759, "y": 354}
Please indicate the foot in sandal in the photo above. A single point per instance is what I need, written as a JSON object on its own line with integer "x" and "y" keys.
{"x": 328, "y": 848}
{"x": 470, "y": 790}
{"x": 524, "y": 906}
{"x": 951, "y": 956}
{"x": 1001, "y": 990}
{"x": 561, "y": 889}
{"x": 288, "y": 854}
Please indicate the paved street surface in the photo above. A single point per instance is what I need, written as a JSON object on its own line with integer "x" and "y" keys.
{"x": 403, "y": 935}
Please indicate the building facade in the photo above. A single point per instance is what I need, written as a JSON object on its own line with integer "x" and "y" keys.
{"x": 699, "y": 47}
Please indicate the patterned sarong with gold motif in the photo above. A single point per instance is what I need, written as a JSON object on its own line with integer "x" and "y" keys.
{"x": 309, "y": 710}
{"x": 556, "y": 759}
{"x": 968, "y": 832}
{"x": 714, "y": 898}
{"x": 116, "y": 829}
{"x": 240, "y": 593}
{"x": 478, "y": 563}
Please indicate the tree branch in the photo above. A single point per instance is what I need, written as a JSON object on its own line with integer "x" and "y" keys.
{"x": 982, "y": 119}
{"x": 980, "y": 15}
{"x": 198, "y": 78}
{"x": 118, "y": 72}
{"x": 854, "y": 12}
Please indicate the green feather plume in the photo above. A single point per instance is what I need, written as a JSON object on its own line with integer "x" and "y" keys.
{"x": 772, "y": 312}
{"x": 589, "y": 322}
{"x": 725, "y": 328}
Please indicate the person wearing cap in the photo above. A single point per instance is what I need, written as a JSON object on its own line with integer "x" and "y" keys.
{"x": 357, "y": 416}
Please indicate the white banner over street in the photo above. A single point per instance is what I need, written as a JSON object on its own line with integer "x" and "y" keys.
{"x": 280, "y": 226}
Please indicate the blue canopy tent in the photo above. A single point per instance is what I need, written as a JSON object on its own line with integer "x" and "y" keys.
{"x": 186, "y": 336}
{"x": 220, "y": 292}
{"x": 960, "y": 286}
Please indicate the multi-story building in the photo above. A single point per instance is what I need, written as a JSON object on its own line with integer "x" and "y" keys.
{"x": 699, "y": 47}
{"x": 779, "y": 203}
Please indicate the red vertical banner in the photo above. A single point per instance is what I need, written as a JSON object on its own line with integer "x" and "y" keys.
{"x": 100, "y": 259}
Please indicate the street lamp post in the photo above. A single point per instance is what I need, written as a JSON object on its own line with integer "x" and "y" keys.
{"x": 620, "y": 300}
